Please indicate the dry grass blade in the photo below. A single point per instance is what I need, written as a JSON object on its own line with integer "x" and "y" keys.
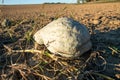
{"x": 103, "y": 76}
{"x": 113, "y": 50}
{"x": 43, "y": 76}
{"x": 9, "y": 49}
{"x": 117, "y": 75}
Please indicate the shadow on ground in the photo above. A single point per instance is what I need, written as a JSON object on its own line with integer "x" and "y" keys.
{"x": 108, "y": 44}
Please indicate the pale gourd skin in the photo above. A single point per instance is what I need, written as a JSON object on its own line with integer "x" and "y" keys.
{"x": 65, "y": 37}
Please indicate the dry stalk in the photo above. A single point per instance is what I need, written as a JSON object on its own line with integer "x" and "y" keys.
{"x": 31, "y": 51}
{"x": 22, "y": 74}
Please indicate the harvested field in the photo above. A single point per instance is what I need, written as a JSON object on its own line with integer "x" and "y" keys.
{"x": 102, "y": 62}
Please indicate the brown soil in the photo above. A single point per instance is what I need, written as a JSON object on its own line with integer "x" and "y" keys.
{"x": 102, "y": 20}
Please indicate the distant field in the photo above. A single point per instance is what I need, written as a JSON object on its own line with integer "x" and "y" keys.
{"x": 50, "y": 9}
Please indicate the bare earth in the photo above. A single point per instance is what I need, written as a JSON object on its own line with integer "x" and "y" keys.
{"x": 102, "y": 20}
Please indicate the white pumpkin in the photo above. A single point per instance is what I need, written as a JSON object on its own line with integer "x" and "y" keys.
{"x": 65, "y": 37}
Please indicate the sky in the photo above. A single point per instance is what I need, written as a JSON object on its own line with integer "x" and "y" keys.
{"x": 11, "y": 2}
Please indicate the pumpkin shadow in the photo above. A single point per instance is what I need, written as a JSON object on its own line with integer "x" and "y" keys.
{"x": 102, "y": 42}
